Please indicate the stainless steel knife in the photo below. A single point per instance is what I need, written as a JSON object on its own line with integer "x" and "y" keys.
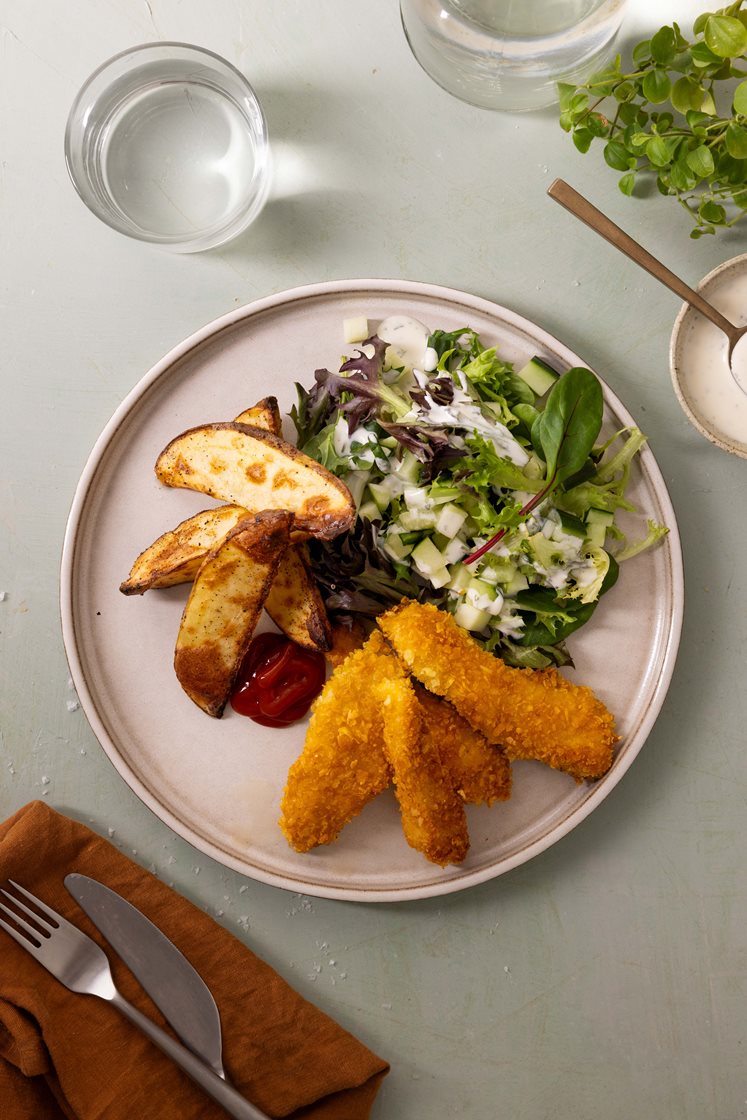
{"x": 178, "y": 991}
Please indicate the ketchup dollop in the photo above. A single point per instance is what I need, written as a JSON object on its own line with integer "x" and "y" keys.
{"x": 277, "y": 681}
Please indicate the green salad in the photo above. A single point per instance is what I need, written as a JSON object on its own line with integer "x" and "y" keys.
{"x": 479, "y": 487}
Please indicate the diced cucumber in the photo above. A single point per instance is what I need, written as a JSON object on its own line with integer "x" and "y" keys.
{"x": 538, "y": 375}
{"x": 417, "y": 519}
{"x": 443, "y": 495}
{"x": 596, "y": 534}
{"x": 355, "y": 329}
{"x": 497, "y": 569}
{"x": 600, "y": 516}
{"x": 450, "y": 520}
{"x": 380, "y": 494}
{"x": 517, "y": 584}
{"x": 396, "y": 547}
{"x": 369, "y": 510}
{"x": 471, "y": 618}
{"x": 479, "y": 587}
{"x": 454, "y": 551}
{"x": 439, "y": 578}
{"x": 598, "y": 521}
{"x": 356, "y": 483}
{"x": 488, "y": 574}
{"x": 427, "y": 559}
{"x": 460, "y": 577}
{"x": 416, "y": 497}
{"x": 409, "y": 469}
{"x": 484, "y": 596}
{"x": 571, "y": 525}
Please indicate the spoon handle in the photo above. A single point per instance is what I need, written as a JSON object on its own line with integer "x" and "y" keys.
{"x": 581, "y": 208}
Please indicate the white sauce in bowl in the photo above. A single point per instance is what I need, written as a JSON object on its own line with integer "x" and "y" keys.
{"x": 701, "y": 375}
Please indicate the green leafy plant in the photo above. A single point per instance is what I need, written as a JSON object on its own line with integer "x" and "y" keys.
{"x": 662, "y": 119}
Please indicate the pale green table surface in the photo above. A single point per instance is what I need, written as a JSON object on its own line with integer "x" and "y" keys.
{"x": 607, "y": 978}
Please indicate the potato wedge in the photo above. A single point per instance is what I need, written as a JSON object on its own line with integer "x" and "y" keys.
{"x": 265, "y": 414}
{"x": 258, "y": 470}
{"x": 177, "y": 555}
{"x": 294, "y": 603}
{"x": 224, "y": 606}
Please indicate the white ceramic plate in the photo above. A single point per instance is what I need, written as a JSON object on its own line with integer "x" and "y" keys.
{"x": 218, "y": 783}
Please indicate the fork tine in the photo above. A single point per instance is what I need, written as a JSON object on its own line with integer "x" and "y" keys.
{"x": 27, "y": 910}
{"x": 56, "y": 918}
{"x": 23, "y": 924}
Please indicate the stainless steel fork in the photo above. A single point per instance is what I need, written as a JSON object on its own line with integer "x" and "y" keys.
{"x": 78, "y": 963}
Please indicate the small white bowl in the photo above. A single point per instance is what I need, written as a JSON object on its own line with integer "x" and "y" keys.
{"x": 698, "y": 360}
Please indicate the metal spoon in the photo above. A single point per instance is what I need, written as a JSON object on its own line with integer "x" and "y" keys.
{"x": 581, "y": 208}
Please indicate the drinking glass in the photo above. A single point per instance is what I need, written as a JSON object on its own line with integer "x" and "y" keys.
{"x": 167, "y": 143}
{"x": 510, "y": 54}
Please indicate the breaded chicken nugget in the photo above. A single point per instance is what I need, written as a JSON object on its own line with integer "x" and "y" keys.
{"x": 532, "y": 713}
{"x": 347, "y": 637}
{"x": 480, "y": 772}
{"x": 433, "y": 817}
{"x": 343, "y": 764}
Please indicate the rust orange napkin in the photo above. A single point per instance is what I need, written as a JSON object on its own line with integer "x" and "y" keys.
{"x": 73, "y": 1056}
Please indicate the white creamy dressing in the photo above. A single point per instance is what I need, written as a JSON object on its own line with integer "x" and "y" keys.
{"x": 706, "y": 380}
{"x": 407, "y": 338}
{"x": 464, "y": 413}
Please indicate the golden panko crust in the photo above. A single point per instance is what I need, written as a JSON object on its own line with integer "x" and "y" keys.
{"x": 433, "y": 818}
{"x": 480, "y": 772}
{"x": 343, "y": 764}
{"x": 533, "y": 714}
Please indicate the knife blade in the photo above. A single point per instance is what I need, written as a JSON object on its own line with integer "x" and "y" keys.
{"x": 177, "y": 990}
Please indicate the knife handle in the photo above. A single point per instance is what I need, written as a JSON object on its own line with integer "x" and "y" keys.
{"x": 221, "y": 1091}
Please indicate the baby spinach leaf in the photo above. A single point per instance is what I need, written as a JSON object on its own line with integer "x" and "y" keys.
{"x": 563, "y": 435}
{"x": 570, "y": 423}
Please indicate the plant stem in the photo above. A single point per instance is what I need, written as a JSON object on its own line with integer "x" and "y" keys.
{"x": 533, "y": 502}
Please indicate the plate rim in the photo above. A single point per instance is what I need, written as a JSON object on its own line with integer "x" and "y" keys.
{"x": 67, "y": 571}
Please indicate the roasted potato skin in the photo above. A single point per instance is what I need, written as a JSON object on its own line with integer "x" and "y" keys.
{"x": 177, "y": 555}
{"x": 264, "y": 414}
{"x": 256, "y": 469}
{"x": 225, "y": 605}
{"x": 295, "y": 605}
